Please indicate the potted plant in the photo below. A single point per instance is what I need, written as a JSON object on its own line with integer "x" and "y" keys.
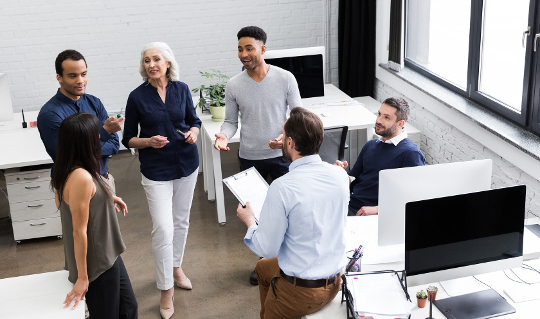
{"x": 432, "y": 291}
{"x": 421, "y": 298}
{"x": 213, "y": 95}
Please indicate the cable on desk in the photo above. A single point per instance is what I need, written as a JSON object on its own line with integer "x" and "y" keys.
{"x": 483, "y": 283}
{"x": 529, "y": 267}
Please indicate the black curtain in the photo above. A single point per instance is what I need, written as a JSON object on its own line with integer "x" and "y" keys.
{"x": 356, "y": 46}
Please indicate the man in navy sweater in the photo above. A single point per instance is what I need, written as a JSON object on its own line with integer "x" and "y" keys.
{"x": 392, "y": 150}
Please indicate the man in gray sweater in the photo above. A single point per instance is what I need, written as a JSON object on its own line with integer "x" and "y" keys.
{"x": 261, "y": 94}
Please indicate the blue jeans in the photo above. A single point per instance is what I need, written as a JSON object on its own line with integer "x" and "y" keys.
{"x": 275, "y": 167}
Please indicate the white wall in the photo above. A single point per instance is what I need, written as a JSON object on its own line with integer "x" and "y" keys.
{"x": 110, "y": 34}
{"x": 451, "y": 137}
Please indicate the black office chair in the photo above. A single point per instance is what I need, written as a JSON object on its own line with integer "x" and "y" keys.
{"x": 333, "y": 146}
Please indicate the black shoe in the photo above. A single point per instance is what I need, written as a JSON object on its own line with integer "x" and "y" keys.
{"x": 253, "y": 278}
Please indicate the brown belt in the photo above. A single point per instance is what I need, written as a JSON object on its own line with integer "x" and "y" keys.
{"x": 317, "y": 283}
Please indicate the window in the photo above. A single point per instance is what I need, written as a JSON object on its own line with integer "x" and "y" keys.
{"x": 481, "y": 49}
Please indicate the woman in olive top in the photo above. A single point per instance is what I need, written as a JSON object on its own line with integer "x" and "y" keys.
{"x": 92, "y": 239}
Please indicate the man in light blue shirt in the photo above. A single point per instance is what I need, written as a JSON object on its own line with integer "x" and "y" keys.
{"x": 302, "y": 223}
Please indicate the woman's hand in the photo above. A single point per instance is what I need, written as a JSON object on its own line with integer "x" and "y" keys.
{"x": 78, "y": 292}
{"x": 122, "y": 207}
{"x": 158, "y": 141}
{"x": 191, "y": 135}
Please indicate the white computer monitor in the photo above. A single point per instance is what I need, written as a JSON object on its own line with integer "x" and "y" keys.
{"x": 306, "y": 64}
{"x": 402, "y": 185}
{"x": 464, "y": 235}
{"x": 6, "y": 108}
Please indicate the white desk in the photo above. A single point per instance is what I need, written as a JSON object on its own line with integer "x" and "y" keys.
{"x": 38, "y": 296}
{"x": 497, "y": 280}
{"x": 336, "y": 112}
{"x": 21, "y": 146}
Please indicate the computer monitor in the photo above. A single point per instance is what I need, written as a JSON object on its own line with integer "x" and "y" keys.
{"x": 400, "y": 186}
{"x": 6, "y": 109}
{"x": 307, "y": 66}
{"x": 464, "y": 235}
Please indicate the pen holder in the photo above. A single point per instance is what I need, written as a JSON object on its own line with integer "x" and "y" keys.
{"x": 354, "y": 264}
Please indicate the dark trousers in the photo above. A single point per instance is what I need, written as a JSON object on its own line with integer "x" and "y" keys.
{"x": 275, "y": 167}
{"x": 111, "y": 295}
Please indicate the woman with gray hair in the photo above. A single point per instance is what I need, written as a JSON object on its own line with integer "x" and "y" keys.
{"x": 163, "y": 108}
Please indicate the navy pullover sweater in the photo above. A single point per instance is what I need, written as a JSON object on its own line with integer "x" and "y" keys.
{"x": 374, "y": 157}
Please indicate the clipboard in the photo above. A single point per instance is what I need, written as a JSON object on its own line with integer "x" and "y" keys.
{"x": 249, "y": 186}
{"x": 348, "y": 294}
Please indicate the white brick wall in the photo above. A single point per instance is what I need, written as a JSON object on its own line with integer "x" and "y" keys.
{"x": 110, "y": 34}
{"x": 443, "y": 143}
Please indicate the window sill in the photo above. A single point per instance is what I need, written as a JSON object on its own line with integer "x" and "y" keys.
{"x": 511, "y": 133}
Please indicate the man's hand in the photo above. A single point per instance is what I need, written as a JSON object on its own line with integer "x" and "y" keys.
{"x": 122, "y": 207}
{"x": 276, "y": 143}
{"x": 158, "y": 141}
{"x": 221, "y": 142}
{"x": 341, "y": 164}
{"x": 246, "y": 214}
{"x": 78, "y": 292}
{"x": 191, "y": 135}
{"x": 113, "y": 124}
{"x": 368, "y": 210}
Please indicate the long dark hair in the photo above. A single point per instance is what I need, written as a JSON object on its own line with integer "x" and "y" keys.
{"x": 78, "y": 146}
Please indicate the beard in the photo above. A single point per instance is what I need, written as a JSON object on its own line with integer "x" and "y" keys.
{"x": 387, "y": 132}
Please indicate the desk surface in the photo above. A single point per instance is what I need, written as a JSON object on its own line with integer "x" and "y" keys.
{"x": 38, "y": 296}
{"x": 21, "y": 146}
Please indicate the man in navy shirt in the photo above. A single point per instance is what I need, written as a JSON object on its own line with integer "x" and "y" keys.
{"x": 392, "y": 150}
{"x": 71, "y": 73}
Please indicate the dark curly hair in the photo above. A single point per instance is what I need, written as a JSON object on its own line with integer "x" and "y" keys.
{"x": 67, "y": 55}
{"x": 252, "y": 32}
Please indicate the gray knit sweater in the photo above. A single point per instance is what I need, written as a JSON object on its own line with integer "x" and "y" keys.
{"x": 263, "y": 109}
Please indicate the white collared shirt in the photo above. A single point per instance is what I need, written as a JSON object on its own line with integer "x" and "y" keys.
{"x": 396, "y": 139}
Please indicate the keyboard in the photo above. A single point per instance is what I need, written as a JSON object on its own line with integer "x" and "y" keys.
{"x": 524, "y": 293}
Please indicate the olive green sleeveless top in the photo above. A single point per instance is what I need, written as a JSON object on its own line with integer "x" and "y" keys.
{"x": 105, "y": 242}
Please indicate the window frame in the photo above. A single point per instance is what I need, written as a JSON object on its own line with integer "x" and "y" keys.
{"x": 529, "y": 117}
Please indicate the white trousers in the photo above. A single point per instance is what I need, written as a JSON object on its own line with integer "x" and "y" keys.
{"x": 170, "y": 204}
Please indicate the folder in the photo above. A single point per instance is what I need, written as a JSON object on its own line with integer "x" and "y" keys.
{"x": 249, "y": 186}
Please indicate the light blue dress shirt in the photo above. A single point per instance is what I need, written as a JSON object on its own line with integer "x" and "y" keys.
{"x": 303, "y": 220}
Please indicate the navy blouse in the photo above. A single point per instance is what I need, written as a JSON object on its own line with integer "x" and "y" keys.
{"x": 145, "y": 108}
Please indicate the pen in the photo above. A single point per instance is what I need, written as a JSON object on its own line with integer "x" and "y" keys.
{"x": 181, "y": 133}
{"x": 267, "y": 146}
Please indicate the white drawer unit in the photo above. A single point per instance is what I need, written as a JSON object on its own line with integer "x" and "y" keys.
{"x": 32, "y": 207}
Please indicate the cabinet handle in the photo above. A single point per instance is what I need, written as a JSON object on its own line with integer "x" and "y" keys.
{"x": 40, "y": 224}
{"x": 31, "y": 178}
{"x": 38, "y": 205}
{"x": 32, "y": 187}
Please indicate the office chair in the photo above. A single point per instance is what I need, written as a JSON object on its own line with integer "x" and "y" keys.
{"x": 333, "y": 146}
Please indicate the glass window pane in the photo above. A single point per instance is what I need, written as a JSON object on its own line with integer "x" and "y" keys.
{"x": 503, "y": 57}
{"x": 438, "y": 37}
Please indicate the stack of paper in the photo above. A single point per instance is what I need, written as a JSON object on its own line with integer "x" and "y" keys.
{"x": 379, "y": 295}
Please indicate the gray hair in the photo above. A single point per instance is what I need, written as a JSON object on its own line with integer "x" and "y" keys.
{"x": 173, "y": 73}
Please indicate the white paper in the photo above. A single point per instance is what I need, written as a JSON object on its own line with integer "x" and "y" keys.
{"x": 248, "y": 186}
{"x": 362, "y": 229}
{"x": 379, "y": 294}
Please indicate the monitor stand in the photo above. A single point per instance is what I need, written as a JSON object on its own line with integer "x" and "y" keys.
{"x": 476, "y": 305}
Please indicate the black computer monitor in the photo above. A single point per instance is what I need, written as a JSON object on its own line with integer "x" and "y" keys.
{"x": 464, "y": 235}
{"x": 307, "y": 66}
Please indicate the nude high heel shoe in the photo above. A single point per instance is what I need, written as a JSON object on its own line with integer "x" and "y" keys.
{"x": 167, "y": 313}
{"x": 184, "y": 284}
